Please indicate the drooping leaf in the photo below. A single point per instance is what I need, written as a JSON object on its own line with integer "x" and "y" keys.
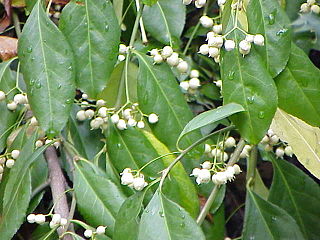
{"x": 266, "y": 17}
{"x": 299, "y": 88}
{"x": 158, "y": 92}
{"x": 165, "y": 20}
{"x": 8, "y": 118}
{"x": 259, "y": 187}
{"x": 98, "y": 198}
{"x": 47, "y": 66}
{"x": 210, "y": 117}
{"x": 264, "y": 220}
{"x": 92, "y": 30}
{"x": 164, "y": 219}
{"x": 247, "y": 82}
{"x": 18, "y": 190}
{"x": 303, "y": 138}
{"x": 298, "y": 194}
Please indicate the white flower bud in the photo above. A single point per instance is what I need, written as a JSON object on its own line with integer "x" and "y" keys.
{"x": 2, "y": 160}
{"x": 305, "y": 8}
{"x": 89, "y": 113}
{"x": 237, "y": 169}
{"x": 186, "y": 2}
{"x": 39, "y": 143}
{"x": 315, "y": 9}
{"x": 265, "y": 139}
{"x": 100, "y": 103}
{"x": 121, "y": 57}
{"x": 40, "y": 218}
{"x": 207, "y": 148}
{"x": 53, "y": 225}
{"x": 96, "y": 123}
{"x": 230, "y": 142}
{"x": 229, "y": 173}
{"x": 221, "y": 2}
{"x": 206, "y": 21}
{"x": 247, "y": 148}
{"x": 194, "y": 74}
{"x": 56, "y": 218}
{"x": 217, "y": 29}
{"x": 140, "y": 124}
{"x": 270, "y": 132}
{"x": 102, "y": 112}
{"x": 218, "y": 83}
{"x": 2, "y": 95}
{"x": 249, "y": 38}
{"x": 121, "y": 125}
{"x": 132, "y": 122}
{"x": 195, "y": 172}
{"x": 268, "y": 148}
{"x": 88, "y": 233}
{"x": 19, "y": 99}
{"x": 311, "y": 2}
{"x": 183, "y": 66}
{"x": 31, "y": 218}
{"x": 200, "y": 3}
{"x": 194, "y": 83}
{"x": 63, "y": 221}
{"x": 139, "y": 184}
{"x": 115, "y": 118}
{"x": 288, "y": 151}
{"x": 123, "y": 49}
{"x": 84, "y": 103}
{"x": 204, "y": 49}
{"x": 214, "y": 52}
{"x": 158, "y": 58}
{"x": 244, "y": 47}
{"x": 173, "y": 60}
{"x": 56, "y": 144}
{"x": 12, "y": 106}
{"x": 166, "y": 52}
{"x": 216, "y": 41}
{"x": 229, "y": 45}
{"x": 48, "y": 141}
{"x": 216, "y": 153}
{"x": 10, "y": 163}
{"x": 57, "y": 15}
{"x": 127, "y": 179}
{"x": 219, "y": 178}
{"x": 184, "y": 85}
{"x": 279, "y": 152}
{"x": 244, "y": 154}
{"x": 204, "y": 176}
{"x": 206, "y": 165}
{"x": 153, "y": 118}
{"x": 224, "y": 156}
{"x": 33, "y": 121}
{"x": 258, "y": 40}
{"x": 15, "y": 154}
{"x": 84, "y": 96}
{"x": 127, "y": 113}
{"x": 101, "y": 230}
{"x": 154, "y": 52}
{"x": 274, "y": 140}
{"x": 211, "y": 35}
{"x": 217, "y": 59}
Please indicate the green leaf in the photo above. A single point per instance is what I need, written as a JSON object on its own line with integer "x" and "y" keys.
{"x": 18, "y": 190}
{"x": 302, "y": 78}
{"x": 303, "y": 138}
{"x": 164, "y": 219}
{"x": 210, "y": 117}
{"x": 127, "y": 221}
{"x": 259, "y": 187}
{"x": 298, "y": 194}
{"x": 159, "y": 92}
{"x": 266, "y": 17}
{"x": 247, "y": 82}
{"x": 165, "y": 20}
{"x": 98, "y": 198}
{"x": 264, "y": 220}
{"x": 8, "y": 118}
{"x": 47, "y": 70}
{"x": 149, "y": 2}
{"x": 93, "y": 32}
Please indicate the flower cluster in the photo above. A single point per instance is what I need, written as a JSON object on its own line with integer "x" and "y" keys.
{"x": 123, "y": 50}
{"x": 8, "y": 160}
{"x": 310, "y": 6}
{"x": 197, "y": 3}
{"x": 56, "y": 220}
{"x": 88, "y": 233}
{"x": 218, "y": 151}
{"x": 172, "y": 58}
{"x": 136, "y": 182}
{"x": 17, "y": 99}
{"x": 193, "y": 84}
{"x": 271, "y": 140}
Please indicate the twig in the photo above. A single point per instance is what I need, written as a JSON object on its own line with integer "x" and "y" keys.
{"x": 57, "y": 184}
{"x": 143, "y": 31}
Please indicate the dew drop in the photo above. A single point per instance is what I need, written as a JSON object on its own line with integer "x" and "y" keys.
{"x": 251, "y": 99}
{"x": 69, "y": 101}
{"x": 274, "y": 218}
{"x": 147, "y": 211}
{"x": 33, "y": 58}
{"x": 182, "y": 225}
{"x": 251, "y": 237}
{"x": 38, "y": 85}
{"x": 282, "y": 32}
{"x": 59, "y": 86}
{"x": 106, "y": 28}
{"x": 70, "y": 68}
{"x": 161, "y": 214}
{"x": 29, "y": 49}
{"x": 32, "y": 82}
{"x": 261, "y": 114}
{"x": 119, "y": 145}
{"x": 44, "y": 40}
{"x": 183, "y": 216}
{"x": 231, "y": 75}
{"x": 271, "y": 19}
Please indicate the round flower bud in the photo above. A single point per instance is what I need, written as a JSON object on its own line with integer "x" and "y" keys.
{"x": 304, "y": 8}
{"x": 214, "y": 52}
{"x": 244, "y": 154}
{"x": 217, "y": 29}
{"x": 184, "y": 85}
{"x": 121, "y": 125}
{"x": 216, "y": 152}
{"x": 19, "y": 99}
{"x": 121, "y": 57}
{"x": 230, "y": 142}
{"x": 211, "y": 35}
{"x": 52, "y": 225}
{"x": 126, "y": 170}
{"x": 96, "y": 123}
{"x": 200, "y": 3}
{"x": 288, "y": 151}
{"x": 274, "y": 140}
{"x": 195, "y": 172}
{"x": 247, "y": 148}
{"x": 221, "y": 2}
{"x": 115, "y": 118}
{"x": 244, "y": 47}
{"x": 173, "y": 60}
{"x": 84, "y": 103}
{"x": 158, "y": 58}
{"x": 186, "y": 2}
{"x": 123, "y": 49}
{"x": 10, "y": 163}
{"x": 311, "y": 2}
{"x": 15, "y": 154}
{"x": 56, "y": 218}
{"x": 84, "y": 96}
{"x": 2, "y": 160}
{"x": 31, "y": 218}
{"x": 140, "y": 124}
{"x": 48, "y": 141}
{"x": 154, "y": 52}
{"x": 229, "y": 173}
{"x": 268, "y": 148}
{"x": 258, "y": 40}
{"x": 33, "y": 121}
{"x": 88, "y": 233}
{"x": 132, "y": 122}
{"x": 127, "y": 179}
{"x": 40, "y": 218}
{"x": 101, "y": 230}
{"x": 139, "y": 184}
{"x": 224, "y": 156}
{"x": 207, "y": 148}
{"x": 39, "y": 143}
{"x": 153, "y": 118}
{"x": 63, "y": 221}
{"x": 183, "y": 66}
{"x": 194, "y": 83}
{"x": 270, "y": 132}
{"x": 315, "y": 9}
{"x": 89, "y": 113}
{"x": 2, "y": 95}
{"x": 127, "y": 113}
{"x": 206, "y": 21}
{"x": 216, "y": 41}
{"x": 12, "y": 106}
{"x": 229, "y": 45}
{"x": 237, "y": 169}
{"x": 204, "y": 176}
{"x": 102, "y": 112}
{"x": 218, "y": 83}
{"x": 194, "y": 74}
{"x": 204, "y": 49}
{"x": 249, "y": 38}
{"x": 206, "y": 165}
{"x": 265, "y": 139}
{"x": 279, "y": 152}
{"x": 100, "y": 103}
{"x": 166, "y": 52}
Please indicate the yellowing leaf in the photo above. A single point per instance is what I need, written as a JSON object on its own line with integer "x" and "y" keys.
{"x": 303, "y": 138}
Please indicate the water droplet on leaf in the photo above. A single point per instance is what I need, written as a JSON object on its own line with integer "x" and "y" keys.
{"x": 261, "y": 114}
{"x": 251, "y": 99}
{"x": 38, "y": 85}
{"x": 69, "y": 101}
{"x": 231, "y": 75}
{"x": 29, "y": 49}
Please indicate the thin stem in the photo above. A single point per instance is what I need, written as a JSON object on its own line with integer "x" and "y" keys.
{"x": 48, "y": 7}
{"x": 234, "y": 212}
{"x": 251, "y": 165}
{"x": 188, "y": 149}
{"x": 208, "y": 204}
{"x": 16, "y": 23}
{"x": 235, "y": 156}
{"x": 40, "y": 188}
{"x": 143, "y": 31}
{"x": 155, "y": 159}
